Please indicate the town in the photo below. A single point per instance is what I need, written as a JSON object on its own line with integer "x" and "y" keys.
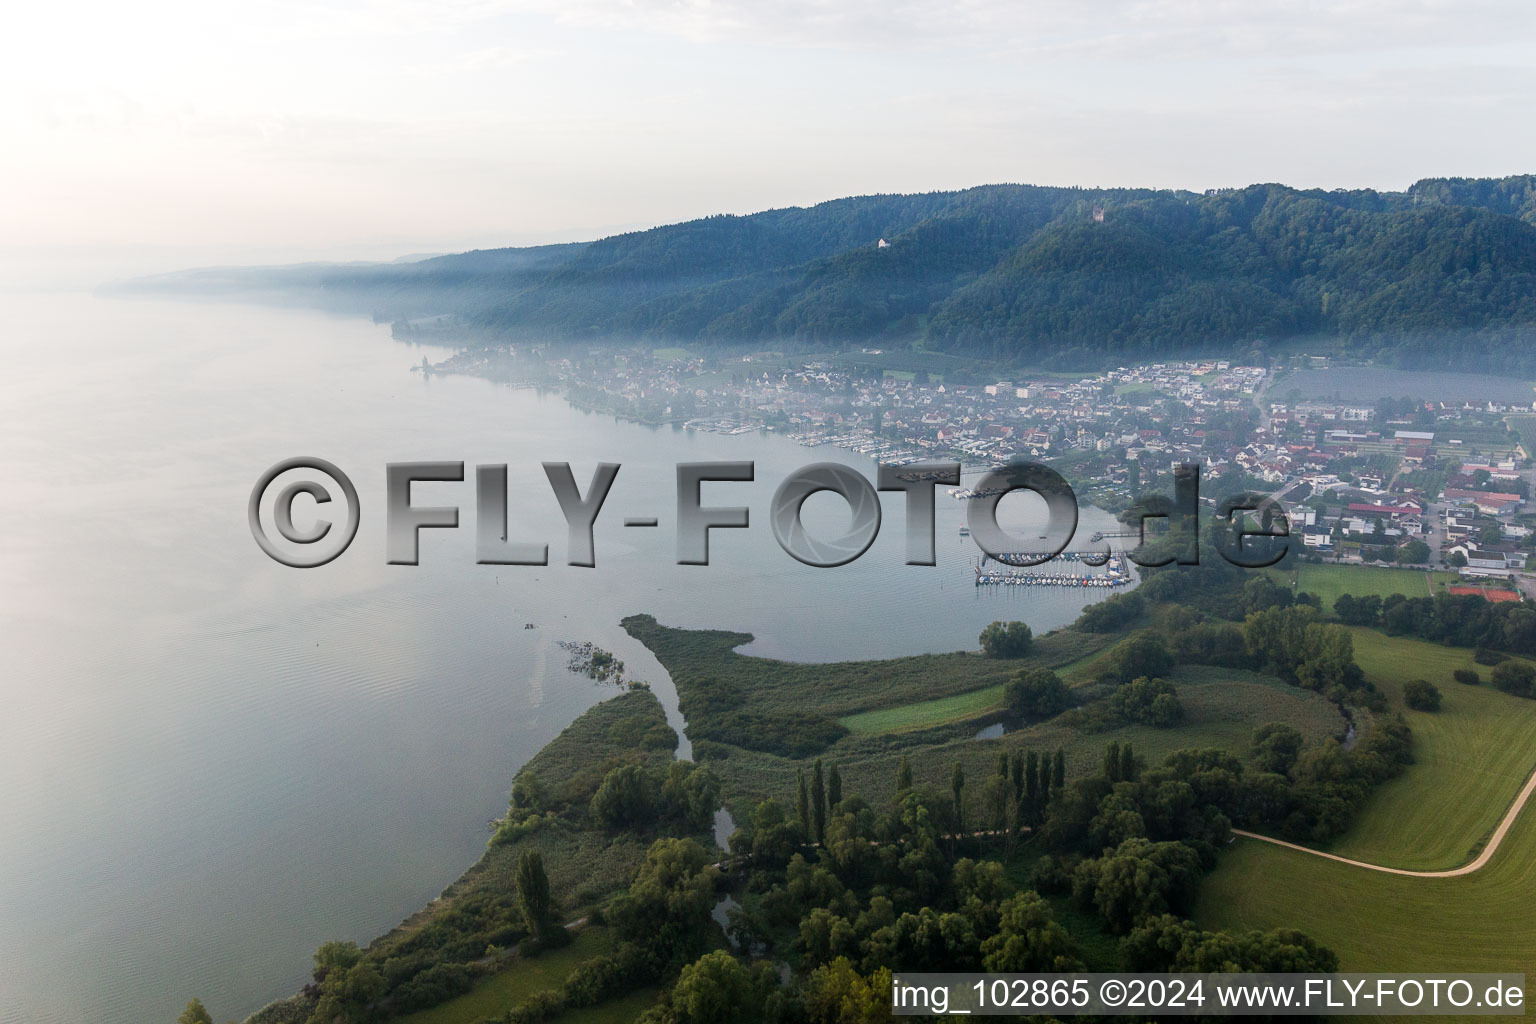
{"x": 1412, "y": 482}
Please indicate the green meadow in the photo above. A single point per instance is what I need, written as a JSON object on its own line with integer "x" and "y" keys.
{"x": 1471, "y": 758}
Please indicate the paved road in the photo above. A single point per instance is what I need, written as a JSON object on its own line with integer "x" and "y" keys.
{"x": 1466, "y": 869}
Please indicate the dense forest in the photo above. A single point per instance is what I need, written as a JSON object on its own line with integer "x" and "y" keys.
{"x": 1439, "y": 273}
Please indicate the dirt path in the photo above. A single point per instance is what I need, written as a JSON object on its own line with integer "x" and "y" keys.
{"x": 1483, "y": 858}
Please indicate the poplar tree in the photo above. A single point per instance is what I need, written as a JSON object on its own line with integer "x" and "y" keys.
{"x": 957, "y": 786}
{"x": 533, "y": 894}
{"x": 803, "y": 801}
{"x": 818, "y": 801}
{"x": 1112, "y": 761}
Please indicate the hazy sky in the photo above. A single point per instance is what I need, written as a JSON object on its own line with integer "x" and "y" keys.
{"x": 337, "y": 129}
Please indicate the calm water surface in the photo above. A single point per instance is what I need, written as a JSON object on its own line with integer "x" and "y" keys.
{"x": 213, "y": 763}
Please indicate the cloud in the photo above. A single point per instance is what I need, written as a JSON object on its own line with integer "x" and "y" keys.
{"x": 1112, "y": 29}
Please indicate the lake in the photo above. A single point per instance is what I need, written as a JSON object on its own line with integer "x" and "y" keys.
{"x": 213, "y": 762}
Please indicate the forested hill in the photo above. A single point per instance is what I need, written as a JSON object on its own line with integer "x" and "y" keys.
{"x": 1441, "y": 272}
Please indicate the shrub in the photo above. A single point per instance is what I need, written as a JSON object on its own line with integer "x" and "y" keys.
{"x": 1037, "y": 693}
{"x": 1108, "y": 616}
{"x": 1007, "y": 640}
{"x": 625, "y": 799}
{"x": 1515, "y": 677}
{"x": 1152, "y": 702}
{"x": 1484, "y": 656}
{"x": 1421, "y": 695}
{"x": 539, "y": 1007}
{"x": 1467, "y": 676}
{"x": 435, "y": 985}
{"x": 1275, "y": 747}
{"x": 592, "y": 981}
{"x": 1141, "y": 654}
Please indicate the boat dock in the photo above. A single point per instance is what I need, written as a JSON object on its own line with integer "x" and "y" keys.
{"x": 1117, "y": 575}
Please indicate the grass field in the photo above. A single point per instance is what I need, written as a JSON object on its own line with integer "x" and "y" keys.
{"x": 1330, "y": 582}
{"x": 519, "y": 980}
{"x": 929, "y": 713}
{"x": 1474, "y": 435}
{"x": 1381, "y": 922}
{"x": 1525, "y": 428}
{"x": 1471, "y": 759}
{"x": 1222, "y": 709}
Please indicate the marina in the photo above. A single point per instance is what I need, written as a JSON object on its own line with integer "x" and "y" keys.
{"x": 1118, "y": 574}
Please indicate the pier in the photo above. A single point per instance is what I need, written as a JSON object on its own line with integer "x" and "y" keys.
{"x": 1118, "y": 575}
{"x": 1101, "y": 535}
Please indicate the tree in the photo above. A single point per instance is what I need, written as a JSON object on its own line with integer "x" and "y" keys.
{"x": 690, "y": 793}
{"x": 903, "y": 775}
{"x": 835, "y": 993}
{"x": 1028, "y": 939}
{"x": 1515, "y": 677}
{"x": 1166, "y": 943}
{"x": 1275, "y": 747}
{"x": 1457, "y": 559}
{"x": 770, "y": 836}
{"x": 195, "y": 1013}
{"x": 624, "y": 799}
{"x": 714, "y": 989}
{"x": 1153, "y": 702}
{"x": 1007, "y": 640}
{"x": 803, "y": 800}
{"x": 1421, "y": 695}
{"x": 957, "y": 787}
{"x": 1108, "y": 616}
{"x": 1140, "y": 654}
{"x": 533, "y": 895}
{"x": 1358, "y": 611}
{"x": 1112, "y": 761}
{"x": 1059, "y": 770}
{"x": 1127, "y": 763}
{"x": 1140, "y": 878}
{"x": 1037, "y": 693}
{"x": 834, "y": 788}
{"x": 335, "y": 956}
{"x": 1467, "y": 676}
{"x": 528, "y": 794}
{"x": 818, "y": 803}
{"x": 347, "y": 996}
{"x": 668, "y": 904}
{"x": 1415, "y": 552}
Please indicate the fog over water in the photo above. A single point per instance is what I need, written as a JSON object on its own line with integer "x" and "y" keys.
{"x": 212, "y": 763}
{"x": 1367, "y": 384}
